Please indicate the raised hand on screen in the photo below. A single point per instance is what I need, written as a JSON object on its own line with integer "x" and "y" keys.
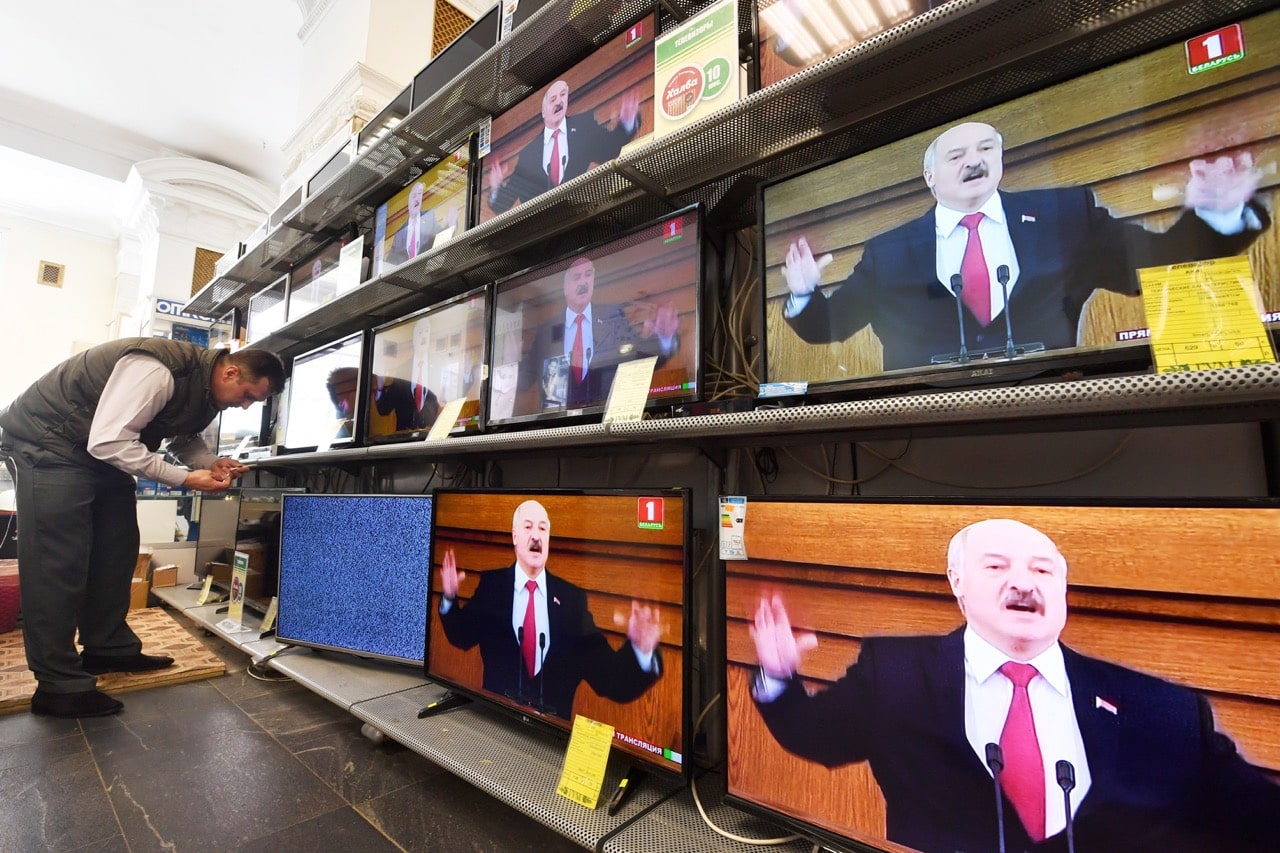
{"x": 450, "y": 577}
{"x": 778, "y": 648}
{"x": 629, "y": 110}
{"x": 801, "y": 270}
{"x": 644, "y": 627}
{"x": 1222, "y": 183}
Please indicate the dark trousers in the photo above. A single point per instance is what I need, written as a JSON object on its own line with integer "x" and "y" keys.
{"x": 77, "y": 549}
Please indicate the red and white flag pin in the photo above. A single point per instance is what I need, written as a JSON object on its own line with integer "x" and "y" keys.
{"x": 1110, "y": 708}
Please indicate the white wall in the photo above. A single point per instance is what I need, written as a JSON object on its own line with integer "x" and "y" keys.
{"x": 43, "y": 325}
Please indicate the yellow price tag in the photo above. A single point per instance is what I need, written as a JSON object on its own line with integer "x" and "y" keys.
{"x": 584, "y": 762}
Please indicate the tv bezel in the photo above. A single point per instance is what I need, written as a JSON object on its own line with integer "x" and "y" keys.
{"x": 552, "y": 724}
{"x": 703, "y": 286}
{"x": 1119, "y": 358}
{"x": 488, "y": 22}
{"x": 281, "y": 635}
{"x": 482, "y": 365}
{"x": 820, "y": 833}
{"x": 357, "y": 417}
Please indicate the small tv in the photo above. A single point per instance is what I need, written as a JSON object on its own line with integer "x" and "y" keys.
{"x": 609, "y": 611}
{"x": 323, "y": 403}
{"x": 1093, "y": 177}
{"x": 241, "y": 432}
{"x": 314, "y": 281}
{"x": 353, "y": 574}
{"x": 267, "y": 310}
{"x": 429, "y": 212}
{"x": 576, "y": 122}
{"x": 639, "y": 297}
{"x": 798, "y": 34}
{"x": 456, "y": 57}
{"x": 875, "y": 730}
{"x": 420, "y": 363}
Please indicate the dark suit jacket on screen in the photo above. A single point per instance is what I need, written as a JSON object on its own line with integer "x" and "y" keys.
{"x": 577, "y": 650}
{"x": 400, "y": 397}
{"x": 1163, "y": 779}
{"x": 1067, "y": 246}
{"x": 428, "y": 228}
{"x": 614, "y": 340}
{"x": 590, "y": 144}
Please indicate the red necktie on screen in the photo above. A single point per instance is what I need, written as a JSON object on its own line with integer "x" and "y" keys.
{"x": 1023, "y": 776}
{"x": 973, "y": 268}
{"x": 413, "y": 239}
{"x": 577, "y": 359}
{"x": 529, "y": 637}
{"x": 553, "y": 167}
{"x": 420, "y": 396}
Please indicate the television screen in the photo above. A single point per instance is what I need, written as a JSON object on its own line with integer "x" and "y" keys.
{"x": 266, "y": 310}
{"x": 637, "y": 297}
{"x": 445, "y": 66}
{"x": 323, "y": 400}
{"x": 353, "y": 574}
{"x": 314, "y": 282}
{"x": 422, "y": 362}
{"x": 1068, "y": 191}
{"x": 428, "y": 212}
{"x": 602, "y": 631}
{"x": 797, "y": 34}
{"x": 576, "y": 122}
{"x": 884, "y": 656}
{"x": 240, "y": 431}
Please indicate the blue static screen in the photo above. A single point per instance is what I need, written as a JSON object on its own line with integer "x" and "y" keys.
{"x": 353, "y": 573}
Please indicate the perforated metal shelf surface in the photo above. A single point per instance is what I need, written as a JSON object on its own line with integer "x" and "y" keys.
{"x": 513, "y": 762}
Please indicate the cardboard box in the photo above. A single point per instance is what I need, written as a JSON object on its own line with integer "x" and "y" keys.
{"x": 143, "y": 565}
{"x": 164, "y": 576}
{"x": 138, "y": 594}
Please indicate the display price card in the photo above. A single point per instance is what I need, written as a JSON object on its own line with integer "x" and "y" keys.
{"x": 446, "y": 419}
{"x": 269, "y": 621}
{"x": 1204, "y": 315}
{"x": 630, "y": 390}
{"x": 205, "y": 590}
{"x": 234, "y": 622}
{"x": 585, "y": 762}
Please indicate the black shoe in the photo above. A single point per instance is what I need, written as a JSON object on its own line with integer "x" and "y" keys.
{"x": 99, "y": 664}
{"x": 84, "y": 703}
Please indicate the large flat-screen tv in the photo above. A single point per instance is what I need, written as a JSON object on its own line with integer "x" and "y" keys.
{"x": 353, "y": 574}
{"x": 601, "y": 634}
{"x": 639, "y": 296}
{"x": 322, "y": 406}
{"x": 245, "y": 519}
{"x": 1069, "y": 191}
{"x": 430, "y": 211}
{"x": 797, "y": 34}
{"x": 869, "y": 697}
{"x": 457, "y": 57}
{"x": 421, "y": 363}
{"x": 576, "y": 122}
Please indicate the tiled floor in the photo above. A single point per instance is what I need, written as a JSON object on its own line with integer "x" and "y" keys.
{"x": 234, "y": 763}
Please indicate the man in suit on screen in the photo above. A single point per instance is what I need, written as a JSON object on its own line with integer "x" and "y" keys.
{"x": 593, "y": 338}
{"x": 565, "y": 147}
{"x": 1055, "y": 247}
{"x": 537, "y": 638}
{"x": 1150, "y": 771}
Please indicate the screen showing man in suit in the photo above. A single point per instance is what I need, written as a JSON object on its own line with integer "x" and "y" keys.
{"x": 563, "y": 330}
{"x": 1077, "y": 745}
{"x": 431, "y": 209}
{"x": 577, "y": 122}
{"x": 1015, "y": 234}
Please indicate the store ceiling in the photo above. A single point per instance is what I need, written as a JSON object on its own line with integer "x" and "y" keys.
{"x": 92, "y": 86}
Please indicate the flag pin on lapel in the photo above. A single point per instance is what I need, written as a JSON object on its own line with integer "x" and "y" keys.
{"x": 1027, "y": 217}
{"x": 557, "y": 601}
{"x": 1099, "y": 702}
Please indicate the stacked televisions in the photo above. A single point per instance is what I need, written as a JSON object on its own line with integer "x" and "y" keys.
{"x": 611, "y": 613}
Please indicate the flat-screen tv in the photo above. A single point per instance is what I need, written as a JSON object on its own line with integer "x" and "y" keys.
{"x": 247, "y": 520}
{"x": 869, "y": 694}
{"x": 241, "y": 432}
{"x": 873, "y": 281}
{"x": 353, "y": 574}
{"x": 639, "y": 296}
{"x": 267, "y": 310}
{"x": 602, "y": 632}
{"x": 322, "y": 407}
{"x": 421, "y": 363}
{"x": 457, "y": 57}
{"x": 314, "y": 281}
{"x": 429, "y": 212}
{"x": 576, "y": 122}
{"x": 797, "y": 34}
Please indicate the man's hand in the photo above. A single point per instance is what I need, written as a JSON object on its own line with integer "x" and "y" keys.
{"x": 228, "y": 469}
{"x": 1222, "y": 184}
{"x": 801, "y": 271}
{"x": 496, "y": 177}
{"x": 629, "y": 110}
{"x": 666, "y": 322}
{"x": 207, "y": 481}
{"x": 450, "y": 577}
{"x": 644, "y": 628}
{"x": 778, "y": 648}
